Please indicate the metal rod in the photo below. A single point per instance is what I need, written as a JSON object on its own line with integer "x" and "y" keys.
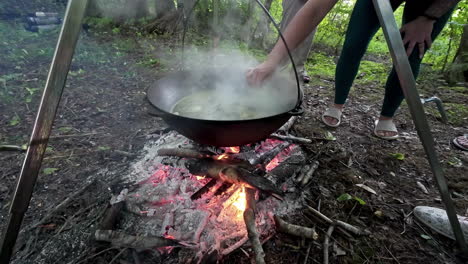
{"x": 408, "y": 84}
{"x": 46, "y": 114}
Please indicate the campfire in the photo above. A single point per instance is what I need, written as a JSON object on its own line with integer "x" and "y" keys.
{"x": 207, "y": 201}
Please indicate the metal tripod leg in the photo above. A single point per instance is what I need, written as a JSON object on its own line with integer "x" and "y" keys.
{"x": 408, "y": 84}
{"x": 46, "y": 114}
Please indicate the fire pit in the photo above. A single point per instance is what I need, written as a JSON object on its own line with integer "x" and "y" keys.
{"x": 207, "y": 201}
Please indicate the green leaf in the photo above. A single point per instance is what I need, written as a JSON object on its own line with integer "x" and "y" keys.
{"x": 329, "y": 136}
{"x": 48, "y": 171}
{"x": 344, "y": 197}
{"x": 65, "y": 129}
{"x": 426, "y": 237}
{"x": 359, "y": 200}
{"x": 15, "y": 120}
{"x": 103, "y": 148}
{"x": 398, "y": 156}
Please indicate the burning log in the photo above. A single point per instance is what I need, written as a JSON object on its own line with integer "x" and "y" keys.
{"x": 203, "y": 189}
{"x": 121, "y": 239}
{"x": 269, "y": 155}
{"x": 294, "y": 139}
{"x": 183, "y": 153}
{"x": 340, "y": 224}
{"x": 234, "y": 174}
{"x": 249, "y": 218}
{"x": 295, "y": 230}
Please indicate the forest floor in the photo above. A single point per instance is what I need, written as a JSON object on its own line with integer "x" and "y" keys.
{"x": 103, "y": 112}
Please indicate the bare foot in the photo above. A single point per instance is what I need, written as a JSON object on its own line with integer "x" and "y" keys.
{"x": 383, "y": 133}
{"x": 331, "y": 120}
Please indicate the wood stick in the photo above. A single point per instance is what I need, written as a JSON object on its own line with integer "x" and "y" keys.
{"x": 62, "y": 205}
{"x": 292, "y": 138}
{"x": 183, "y": 153}
{"x": 269, "y": 155}
{"x": 111, "y": 216}
{"x": 249, "y": 218}
{"x": 237, "y": 245}
{"x": 295, "y": 230}
{"x": 288, "y": 125}
{"x": 121, "y": 239}
{"x": 12, "y": 148}
{"x": 344, "y": 225}
{"x": 310, "y": 172}
{"x": 326, "y": 244}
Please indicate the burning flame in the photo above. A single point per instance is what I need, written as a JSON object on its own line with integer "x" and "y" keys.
{"x": 221, "y": 157}
{"x": 240, "y": 202}
{"x": 233, "y": 149}
{"x": 199, "y": 178}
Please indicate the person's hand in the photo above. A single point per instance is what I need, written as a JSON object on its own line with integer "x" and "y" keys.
{"x": 257, "y": 75}
{"x": 418, "y": 32}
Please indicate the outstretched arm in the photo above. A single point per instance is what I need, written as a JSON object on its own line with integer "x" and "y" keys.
{"x": 305, "y": 21}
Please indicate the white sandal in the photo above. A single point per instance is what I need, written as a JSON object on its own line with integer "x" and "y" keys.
{"x": 437, "y": 220}
{"x": 385, "y": 125}
{"x": 334, "y": 113}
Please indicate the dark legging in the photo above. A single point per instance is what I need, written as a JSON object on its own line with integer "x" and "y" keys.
{"x": 362, "y": 27}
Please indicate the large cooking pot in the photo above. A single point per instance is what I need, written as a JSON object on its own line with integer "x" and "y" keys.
{"x": 167, "y": 91}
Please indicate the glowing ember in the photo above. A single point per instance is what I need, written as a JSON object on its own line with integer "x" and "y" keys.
{"x": 199, "y": 178}
{"x": 221, "y": 157}
{"x": 273, "y": 164}
{"x": 240, "y": 202}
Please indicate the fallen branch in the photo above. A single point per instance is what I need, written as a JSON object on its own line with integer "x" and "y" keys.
{"x": 338, "y": 223}
{"x": 62, "y": 205}
{"x": 183, "y": 153}
{"x": 310, "y": 172}
{"x": 288, "y": 125}
{"x": 12, "y": 148}
{"x": 249, "y": 218}
{"x": 291, "y": 138}
{"x": 237, "y": 245}
{"x": 326, "y": 244}
{"x": 121, "y": 239}
{"x": 295, "y": 230}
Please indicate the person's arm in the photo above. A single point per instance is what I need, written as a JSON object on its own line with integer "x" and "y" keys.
{"x": 305, "y": 21}
{"x": 418, "y": 32}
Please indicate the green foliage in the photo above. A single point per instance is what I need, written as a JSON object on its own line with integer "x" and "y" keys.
{"x": 49, "y": 171}
{"x": 398, "y": 156}
{"x": 321, "y": 64}
{"x": 347, "y": 197}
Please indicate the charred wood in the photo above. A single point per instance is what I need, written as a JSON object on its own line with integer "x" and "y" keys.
{"x": 111, "y": 216}
{"x": 203, "y": 189}
{"x": 269, "y": 155}
{"x": 249, "y": 218}
{"x": 295, "y": 230}
{"x": 121, "y": 239}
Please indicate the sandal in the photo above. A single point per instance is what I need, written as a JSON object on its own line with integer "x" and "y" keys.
{"x": 305, "y": 78}
{"x": 334, "y": 113}
{"x": 461, "y": 142}
{"x": 437, "y": 220}
{"x": 385, "y": 125}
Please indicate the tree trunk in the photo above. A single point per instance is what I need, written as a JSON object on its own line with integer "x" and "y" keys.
{"x": 262, "y": 28}
{"x": 458, "y": 71}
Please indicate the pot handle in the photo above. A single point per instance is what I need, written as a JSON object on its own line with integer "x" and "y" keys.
{"x": 296, "y": 111}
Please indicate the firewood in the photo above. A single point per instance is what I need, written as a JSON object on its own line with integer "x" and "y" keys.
{"x": 249, "y": 218}
{"x": 111, "y": 216}
{"x": 295, "y": 230}
{"x": 183, "y": 153}
{"x": 203, "y": 190}
{"x": 292, "y": 138}
{"x": 288, "y": 125}
{"x": 269, "y": 155}
{"x": 310, "y": 172}
{"x": 121, "y": 239}
{"x": 348, "y": 227}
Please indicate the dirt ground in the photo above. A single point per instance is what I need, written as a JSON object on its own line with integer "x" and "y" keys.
{"x": 103, "y": 123}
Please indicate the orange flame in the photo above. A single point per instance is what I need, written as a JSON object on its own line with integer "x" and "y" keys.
{"x": 240, "y": 202}
{"x": 199, "y": 178}
{"x": 233, "y": 149}
{"x": 221, "y": 157}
